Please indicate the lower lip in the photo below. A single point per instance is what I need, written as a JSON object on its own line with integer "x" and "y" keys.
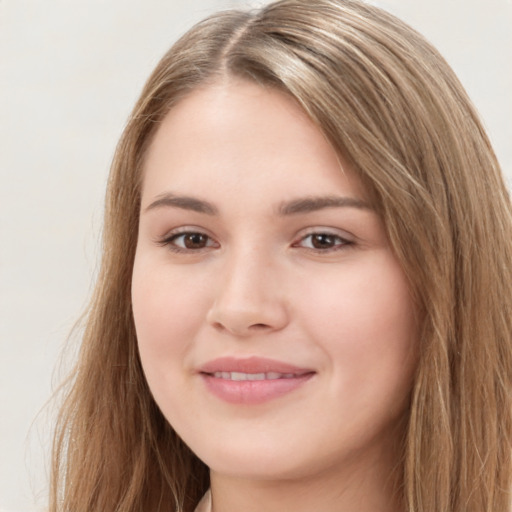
{"x": 252, "y": 392}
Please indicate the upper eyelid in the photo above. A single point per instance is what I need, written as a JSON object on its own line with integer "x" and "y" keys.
{"x": 345, "y": 235}
{"x": 184, "y": 230}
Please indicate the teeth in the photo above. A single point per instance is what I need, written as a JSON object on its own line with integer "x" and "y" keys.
{"x": 253, "y": 376}
{"x": 239, "y": 376}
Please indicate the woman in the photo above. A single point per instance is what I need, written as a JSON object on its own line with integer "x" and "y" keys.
{"x": 305, "y": 294}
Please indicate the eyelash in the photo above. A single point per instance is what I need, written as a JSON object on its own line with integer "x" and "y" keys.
{"x": 341, "y": 243}
{"x": 170, "y": 242}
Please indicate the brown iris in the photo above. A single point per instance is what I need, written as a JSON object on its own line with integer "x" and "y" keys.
{"x": 195, "y": 240}
{"x": 323, "y": 241}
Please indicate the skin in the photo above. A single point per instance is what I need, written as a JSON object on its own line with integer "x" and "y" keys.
{"x": 260, "y": 282}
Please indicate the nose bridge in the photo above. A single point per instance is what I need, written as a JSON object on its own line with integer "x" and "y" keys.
{"x": 246, "y": 271}
{"x": 248, "y": 297}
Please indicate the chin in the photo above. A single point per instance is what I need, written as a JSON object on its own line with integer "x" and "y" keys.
{"x": 254, "y": 463}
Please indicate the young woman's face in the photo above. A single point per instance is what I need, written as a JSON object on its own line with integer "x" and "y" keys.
{"x": 275, "y": 326}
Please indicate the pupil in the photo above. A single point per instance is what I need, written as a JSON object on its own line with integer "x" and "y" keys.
{"x": 323, "y": 241}
{"x": 195, "y": 241}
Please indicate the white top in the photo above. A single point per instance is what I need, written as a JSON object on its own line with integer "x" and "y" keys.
{"x": 205, "y": 505}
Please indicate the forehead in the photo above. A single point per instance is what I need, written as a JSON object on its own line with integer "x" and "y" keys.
{"x": 235, "y": 136}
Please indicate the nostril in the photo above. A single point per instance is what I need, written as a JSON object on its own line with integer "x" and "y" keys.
{"x": 218, "y": 325}
{"x": 259, "y": 326}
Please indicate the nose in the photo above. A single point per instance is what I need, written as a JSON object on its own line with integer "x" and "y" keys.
{"x": 249, "y": 299}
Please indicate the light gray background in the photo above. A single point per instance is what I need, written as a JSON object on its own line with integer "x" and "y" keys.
{"x": 70, "y": 71}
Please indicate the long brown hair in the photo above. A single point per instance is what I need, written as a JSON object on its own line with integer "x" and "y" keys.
{"x": 393, "y": 108}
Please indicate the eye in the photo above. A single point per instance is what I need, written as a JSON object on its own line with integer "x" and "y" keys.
{"x": 323, "y": 242}
{"x": 188, "y": 241}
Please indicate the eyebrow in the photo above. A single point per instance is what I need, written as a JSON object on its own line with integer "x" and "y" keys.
{"x": 312, "y": 204}
{"x": 296, "y": 206}
{"x": 183, "y": 202}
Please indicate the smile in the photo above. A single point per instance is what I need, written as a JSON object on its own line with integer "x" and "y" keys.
{"x": 253, "y": 380}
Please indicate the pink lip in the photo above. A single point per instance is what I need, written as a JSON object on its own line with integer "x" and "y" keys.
{"x": 252, "y": 392}
{"x": 251, "y": 365}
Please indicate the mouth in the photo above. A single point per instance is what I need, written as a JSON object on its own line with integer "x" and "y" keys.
{"x": 252, "y": 381}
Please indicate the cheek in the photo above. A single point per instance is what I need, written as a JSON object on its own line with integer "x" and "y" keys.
{"x": 365, "y": 321}
{"x": 168, "y": 309}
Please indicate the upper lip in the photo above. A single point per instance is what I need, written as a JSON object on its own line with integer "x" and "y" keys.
{"x": 251, "y": 365}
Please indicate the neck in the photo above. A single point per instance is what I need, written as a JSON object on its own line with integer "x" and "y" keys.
{"x": 361, "y": 485}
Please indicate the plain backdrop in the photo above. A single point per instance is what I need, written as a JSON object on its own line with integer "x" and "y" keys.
{"x": 70, "y": 71}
